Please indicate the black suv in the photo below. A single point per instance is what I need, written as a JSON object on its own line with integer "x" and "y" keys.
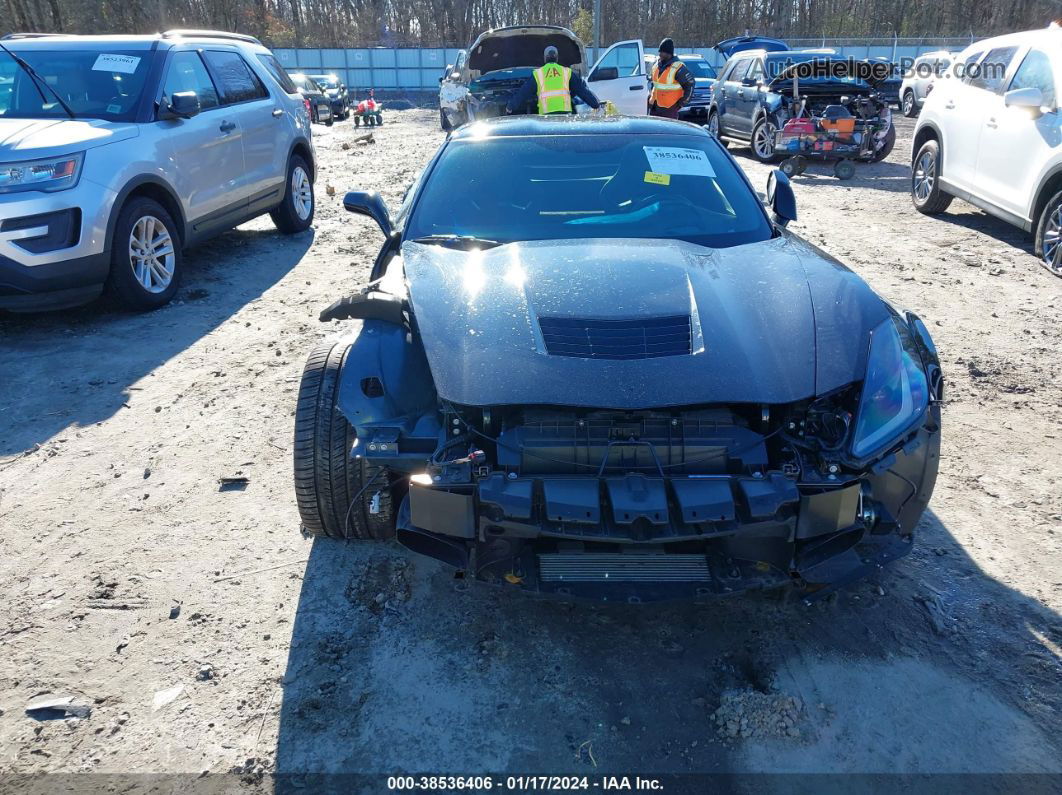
{"x": 754, "y": 97}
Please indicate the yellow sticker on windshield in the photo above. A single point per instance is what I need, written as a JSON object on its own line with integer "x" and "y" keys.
{"x": 657, "y": 179}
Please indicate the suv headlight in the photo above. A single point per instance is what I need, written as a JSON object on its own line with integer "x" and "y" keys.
{"x": 51, "y": 174}
{"x": 895, "y": 390}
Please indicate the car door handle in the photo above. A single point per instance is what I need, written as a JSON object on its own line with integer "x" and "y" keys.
{"x": 227, "y": 126}
{"x": 277, "y": 113}
{"x": 991, "y": 124}
{"x": 635, "y": 88}
{"x": 950, "y": 106}
{"x": 741, "y": 94}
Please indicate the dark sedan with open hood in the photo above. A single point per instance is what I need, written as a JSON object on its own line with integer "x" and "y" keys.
{"x": 591, "y": 362}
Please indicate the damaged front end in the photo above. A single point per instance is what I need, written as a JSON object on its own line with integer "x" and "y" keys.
{"x": 666, "y": 503}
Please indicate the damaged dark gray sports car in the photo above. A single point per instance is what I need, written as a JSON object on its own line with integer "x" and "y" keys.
{"x": 592, "y": 362}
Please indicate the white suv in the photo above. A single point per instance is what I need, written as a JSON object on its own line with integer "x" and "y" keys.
{"x": 991, "y": 133}
{"x": 920, "y": 79}
{"x": 116, "y": 152}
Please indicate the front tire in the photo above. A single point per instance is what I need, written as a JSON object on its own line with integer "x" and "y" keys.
{"x": 907, "y": 104}
{"x": 762, "y": 143}
{"x": 146, "y": 258}
{"x": 1049, "y": 235}
{"x": 295, "y": 213}
{"x": 713, "y": 128}
{"x": 926, "y": 193}
{"x": 887, "y": 147}
{"x": 338, "y": 496}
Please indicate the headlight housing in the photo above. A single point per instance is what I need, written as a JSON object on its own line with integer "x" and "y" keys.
{"x": 49, "y": 174}
{"x": 895, "y": 391}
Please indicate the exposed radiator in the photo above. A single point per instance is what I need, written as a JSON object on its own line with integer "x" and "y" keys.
{"x": 622, "y": 567}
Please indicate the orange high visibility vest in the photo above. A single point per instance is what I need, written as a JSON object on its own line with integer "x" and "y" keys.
{"x": 666, "y": 90}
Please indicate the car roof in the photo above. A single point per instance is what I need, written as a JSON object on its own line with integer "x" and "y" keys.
{"x": 572, "y": 124}
{"x": 1041, "y": 37}
{"x": 71, "y": 41}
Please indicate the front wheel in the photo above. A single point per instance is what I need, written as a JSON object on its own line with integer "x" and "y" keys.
{"x": 886, "y": 146}
{"x": 926, "y": 194}
{"x": 763, "y": 135}
{"x": 1049, "y": 235}
{"x": 713, "y": 127}
{"x": 295, "y": 213}
{"x": 907, "y": 104}
{"x": 146, "y": 256}
{"x": 338, "y": 496}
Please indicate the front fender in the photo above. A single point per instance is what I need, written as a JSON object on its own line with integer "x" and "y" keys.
{"x": 385, "y": 380}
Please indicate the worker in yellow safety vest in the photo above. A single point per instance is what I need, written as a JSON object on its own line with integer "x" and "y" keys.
{"x": 552, "y": 86}
{"x": 672, "y": 83}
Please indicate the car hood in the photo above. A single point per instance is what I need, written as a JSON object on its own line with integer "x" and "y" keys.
{"x": 28, "y": 139}
{"x": 507, "y": 48}
{"x": 770, "y": 322}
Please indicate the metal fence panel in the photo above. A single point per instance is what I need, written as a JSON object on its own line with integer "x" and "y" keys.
{"x": 419, "y": 69}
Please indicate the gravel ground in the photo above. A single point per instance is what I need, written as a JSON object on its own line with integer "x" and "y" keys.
{"x": 195, "y": 630}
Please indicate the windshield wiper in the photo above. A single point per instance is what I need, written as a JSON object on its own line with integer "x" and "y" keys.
{"x": 457, "y": 241}
{"x": 39, "y": 81}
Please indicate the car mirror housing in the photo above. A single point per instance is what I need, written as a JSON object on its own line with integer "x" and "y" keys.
{"x": 182, "y": 105}
{"x": 604, "y": 73}
{"x": 781, "y": 198}
{"x": 1029, "y": 98}
{"x": 369, "y": 203}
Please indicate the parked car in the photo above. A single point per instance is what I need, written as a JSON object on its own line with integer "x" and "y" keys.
{"x": 704, "y": 75}
{"x": 318, "y": 106}
{"x": 889, "y": 88}
{"x": 496, "y": 66}
{"x": 337, "y": 93}
{"x": 990, "y": 133}
{"x": 730, "y": 47}
{"x": 920, "y": 79}
{"x": 757, "y": 93}
{"x": 628, "y": 380}
{"x": 116, "y": 152}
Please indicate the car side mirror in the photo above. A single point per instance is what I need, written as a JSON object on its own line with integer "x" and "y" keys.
{"x": 748, "y": 81}
{"x": 369, "y": 203}
{"x": 1030, "y": 98}
{"x": 182, "y": 105}
{"x": 781, "y": 198}
{"x": 604, "y": 73}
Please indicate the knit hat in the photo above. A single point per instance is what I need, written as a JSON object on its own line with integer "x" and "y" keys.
{"x": 550, "y": 55}
{"x": 668, "y": 46}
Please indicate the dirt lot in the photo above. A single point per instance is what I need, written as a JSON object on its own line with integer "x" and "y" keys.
{"x": 206, "y": 635}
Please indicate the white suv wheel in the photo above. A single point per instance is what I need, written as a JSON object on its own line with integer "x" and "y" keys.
{"x": 151, "y": 254}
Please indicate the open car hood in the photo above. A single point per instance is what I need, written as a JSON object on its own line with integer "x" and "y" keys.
{"x": 770, "y": 322}
{"x": 508, "y": 48}
{"x": 860, "y": 82}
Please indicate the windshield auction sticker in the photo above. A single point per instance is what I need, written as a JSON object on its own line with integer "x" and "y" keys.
{"x": 116, "y": 63}
{"x": 672, "y": 160}
{"x": 657, "y": 179}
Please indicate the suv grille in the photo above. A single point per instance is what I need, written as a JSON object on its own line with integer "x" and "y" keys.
{"x": 642, "y": 338}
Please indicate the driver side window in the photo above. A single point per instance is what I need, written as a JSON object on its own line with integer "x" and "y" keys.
{"x": 625, "y": 58}
{"x": 739, "y": 70}
{"x": 187, "y": 73}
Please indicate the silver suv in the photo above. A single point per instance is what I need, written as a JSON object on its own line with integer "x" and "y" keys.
{"x": 116, "y": 152}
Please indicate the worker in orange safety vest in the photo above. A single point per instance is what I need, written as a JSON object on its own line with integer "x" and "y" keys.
{"x": 672, "y": 83}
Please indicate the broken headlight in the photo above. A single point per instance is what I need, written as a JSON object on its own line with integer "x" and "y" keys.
{"x": 895, "y": 390}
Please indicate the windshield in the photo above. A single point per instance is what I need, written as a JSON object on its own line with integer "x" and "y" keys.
{"x": 581, "y": 186}
{"x": 700, "y": 69}
{"x": 326, "y": 82}
{"x": 95, "y": 84}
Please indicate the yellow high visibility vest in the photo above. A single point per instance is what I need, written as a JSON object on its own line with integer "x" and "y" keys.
{"x": 666, "y": 90}
{"x": 552, "y": 83}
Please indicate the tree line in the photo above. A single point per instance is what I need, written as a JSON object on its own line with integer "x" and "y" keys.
{"x": 454, "y": 23}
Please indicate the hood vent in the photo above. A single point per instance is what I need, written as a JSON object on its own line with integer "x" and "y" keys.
{"x": 640, "y": 338}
